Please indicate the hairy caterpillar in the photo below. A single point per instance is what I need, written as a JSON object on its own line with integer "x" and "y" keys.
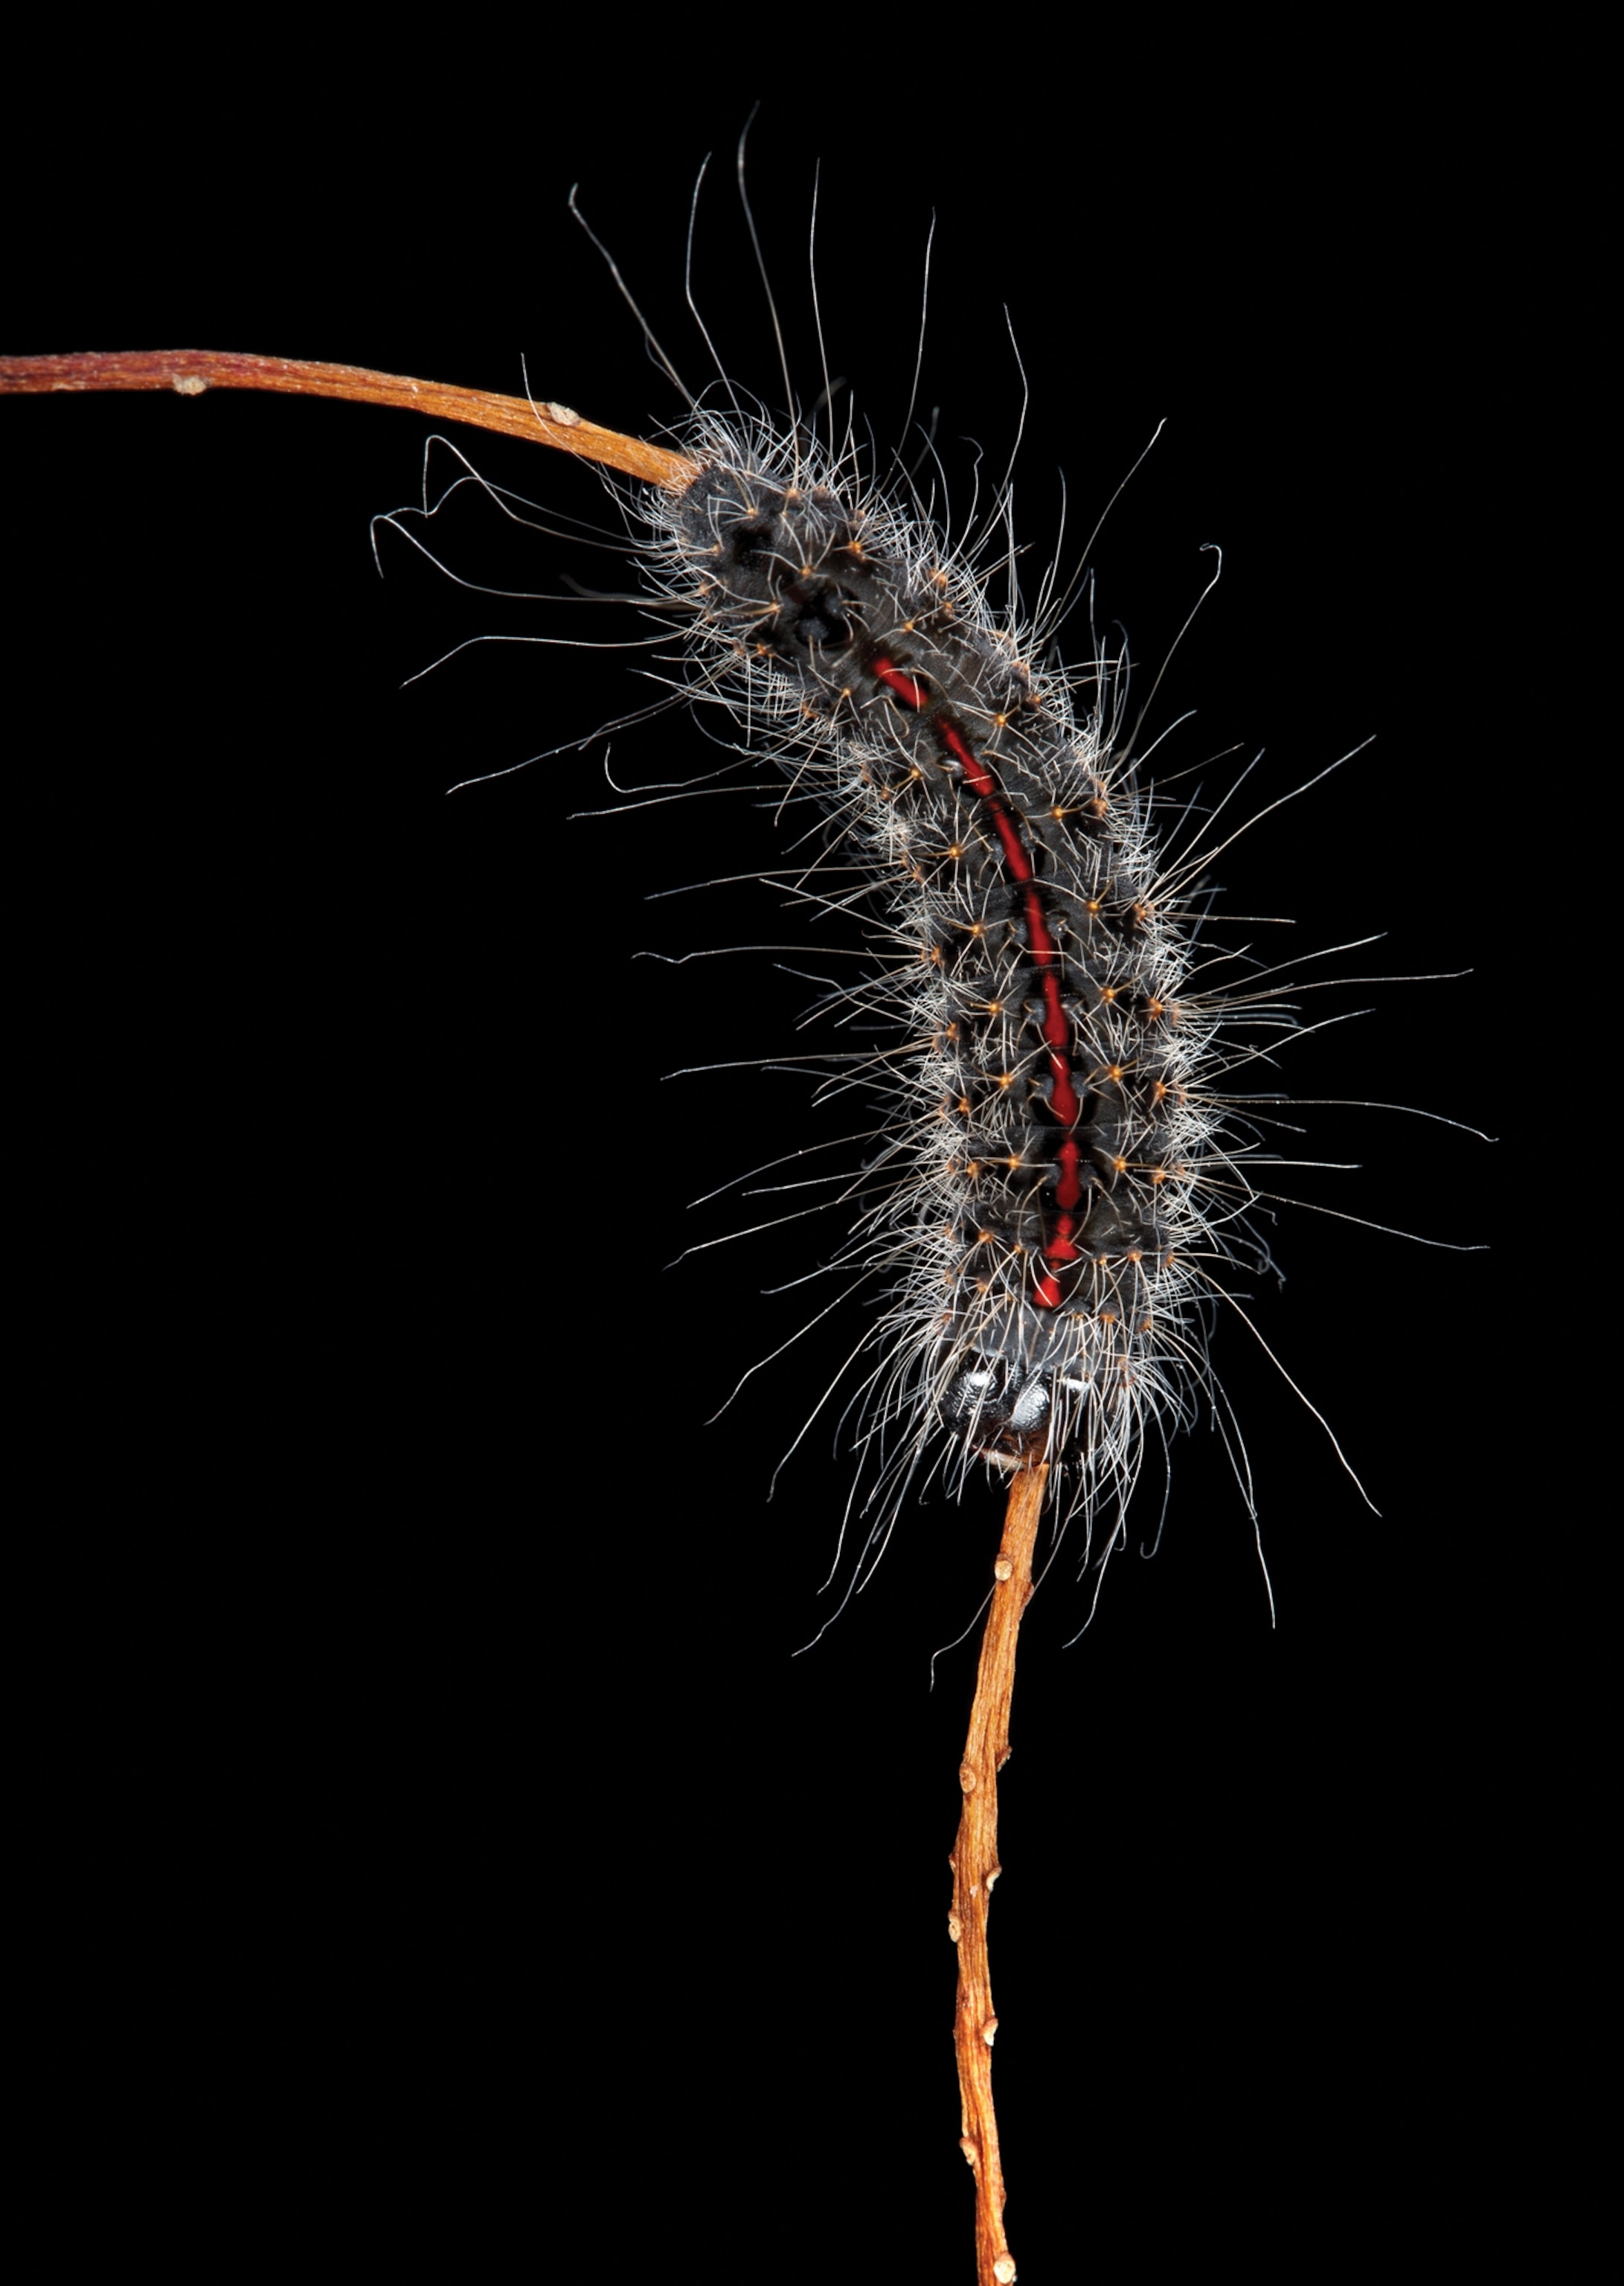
{"x": 320, "y": 926}
{"x": 1040, "y": 1074}
{"x": 1049, "y": 1198}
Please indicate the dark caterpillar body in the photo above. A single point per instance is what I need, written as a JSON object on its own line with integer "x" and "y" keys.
{"x": 1034, "y": 1241}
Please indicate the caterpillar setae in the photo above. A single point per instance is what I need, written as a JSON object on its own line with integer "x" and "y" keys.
{"x": 1052, "y": 1180}
{"x": 1033, "y": 1216}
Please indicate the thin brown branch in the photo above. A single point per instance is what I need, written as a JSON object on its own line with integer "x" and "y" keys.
{"x": 975, "y": 1858}
{"x": 976, "y": 1867}
{"x": 190, "y": 372}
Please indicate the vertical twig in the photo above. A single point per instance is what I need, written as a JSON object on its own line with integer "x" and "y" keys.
{"x": 976, "y": 1868}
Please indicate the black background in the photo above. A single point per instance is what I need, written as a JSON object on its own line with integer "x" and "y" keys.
{"x": 420, "y": 1661}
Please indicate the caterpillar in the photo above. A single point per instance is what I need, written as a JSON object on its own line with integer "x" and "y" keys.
{"x": 1052, "y": 1188}
{"x": 1046, "y": 1118}
{"x": 320, "y": 811}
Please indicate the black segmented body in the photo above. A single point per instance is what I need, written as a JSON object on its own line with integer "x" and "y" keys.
{"x": 1045, "y": 1155}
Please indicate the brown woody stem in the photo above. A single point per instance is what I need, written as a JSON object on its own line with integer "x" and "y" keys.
{"x": 975, "y": 1858}
{"x": 190, "y": 372}
{"x": 976, "y": 1867}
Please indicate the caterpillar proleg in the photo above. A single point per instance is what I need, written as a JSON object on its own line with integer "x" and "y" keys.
{"x": 583, "y": 1341}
